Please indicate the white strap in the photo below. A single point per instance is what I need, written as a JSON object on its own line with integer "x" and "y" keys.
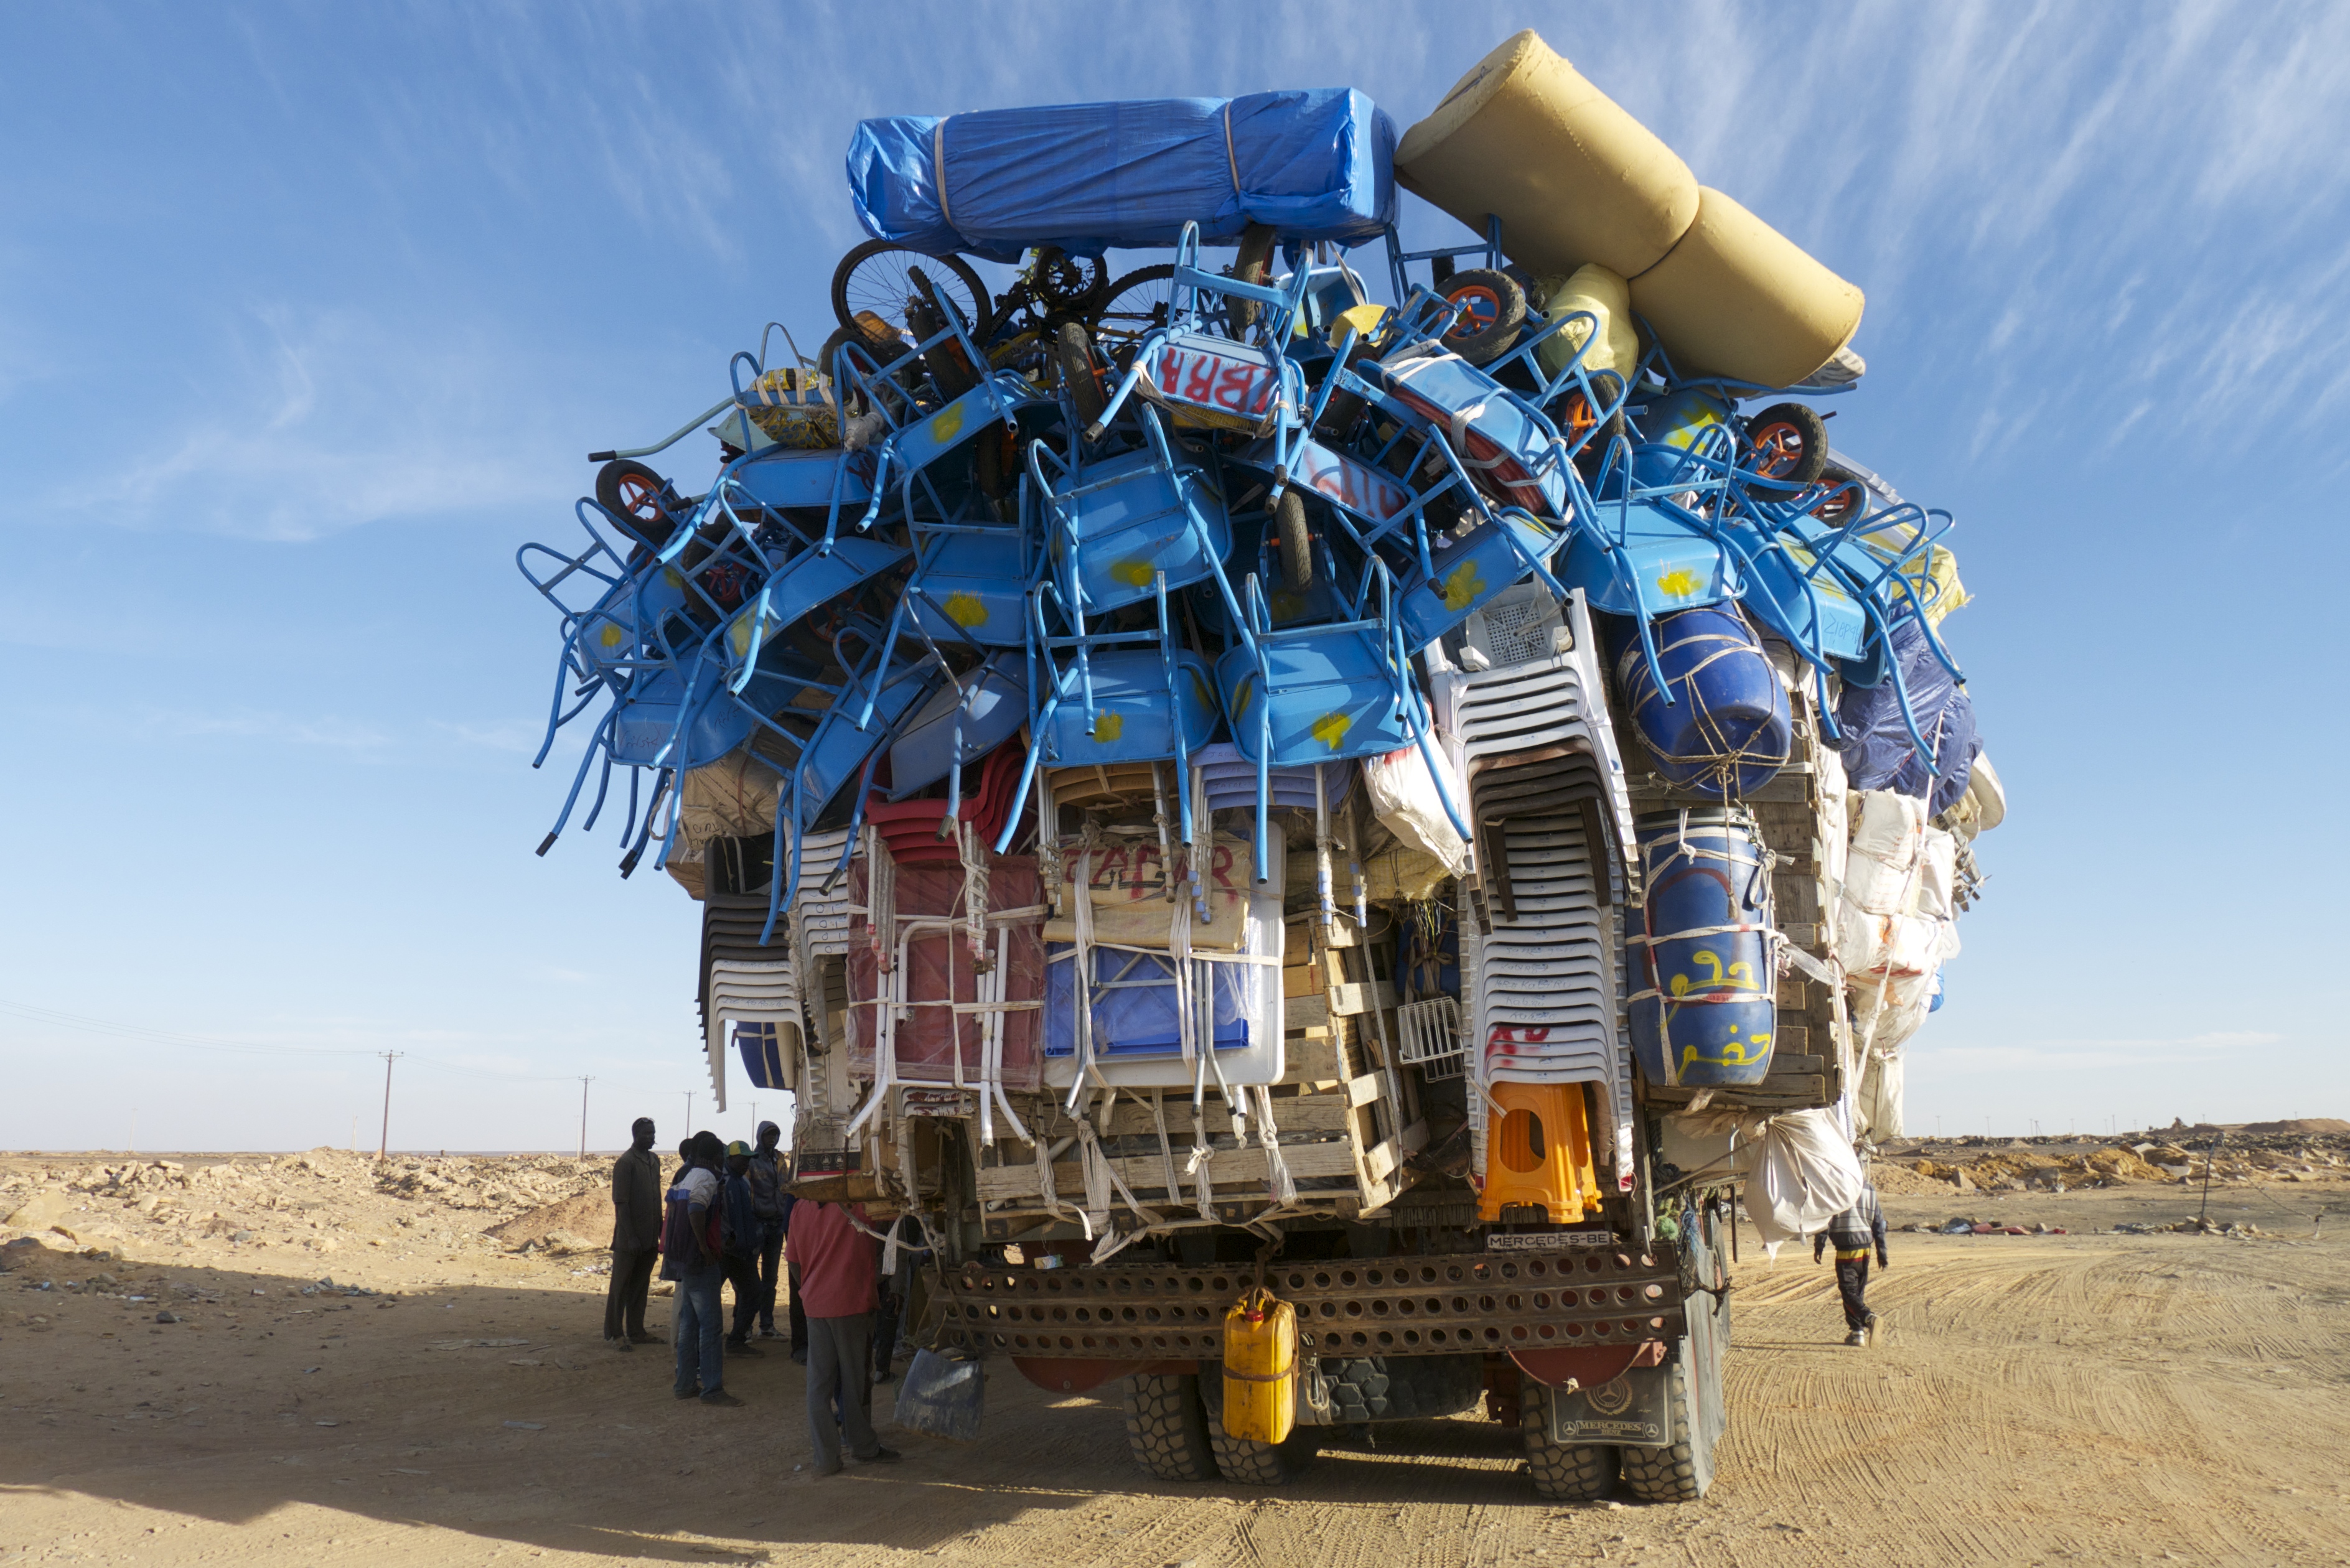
{"x": 939, "y": 162}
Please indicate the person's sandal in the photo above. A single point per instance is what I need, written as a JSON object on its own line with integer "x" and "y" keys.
{"x": 720, "y": 1397}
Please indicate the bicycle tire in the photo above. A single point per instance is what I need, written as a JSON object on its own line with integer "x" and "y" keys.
{"x": 884, "y": 288}
{"x": 1135, "y": 304}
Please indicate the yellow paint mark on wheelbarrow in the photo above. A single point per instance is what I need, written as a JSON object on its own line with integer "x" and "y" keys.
{"x": 964, "y": 610}
{"x": 1203, "y": 691}
{"x": 739, "y": 634}
{"x": 1462, "y": 587}
{"x": 1678, "y": 585}
{"x": 1241, "y": 695}
{"x": 1134, "y": 574}
{"x": 948, "y": 425}
{"x": 613, "y": 636}
{"x": 1331, "y": 728}
{"x": 1108, "y": 727}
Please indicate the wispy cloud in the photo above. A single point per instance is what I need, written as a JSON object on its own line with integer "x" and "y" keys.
{"x": 279, "y": 729}
{"x": 314, "y": 421}
{"x": 2060, "y": 1055}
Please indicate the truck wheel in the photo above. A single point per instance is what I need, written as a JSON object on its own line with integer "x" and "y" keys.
{"x": 1562, "y": 1472}
{"x": 1166, "y": 1429}
{"x": 1682, "y": 1472}
{"x": 1246, "y": 1463}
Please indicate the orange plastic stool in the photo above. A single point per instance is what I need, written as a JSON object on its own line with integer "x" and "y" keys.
{"x": 1538, "y": 1153}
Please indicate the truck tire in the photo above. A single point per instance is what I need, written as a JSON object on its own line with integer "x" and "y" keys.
{"x": 1562, "y": 1472}
{"x": 1167, "y": 1428}
{"x": 1682, "y": 1472}
{"x": 1246, "y": 1463}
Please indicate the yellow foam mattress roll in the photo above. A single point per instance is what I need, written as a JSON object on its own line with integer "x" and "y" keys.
{"x": 1607, "y": 296}
{"x": 1573, "y": 178}
{"x": 1738, "y": 299}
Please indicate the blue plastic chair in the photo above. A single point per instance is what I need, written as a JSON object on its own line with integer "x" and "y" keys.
{"x": 1206, "y": 379}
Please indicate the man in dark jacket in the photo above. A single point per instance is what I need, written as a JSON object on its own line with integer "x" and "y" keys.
{"x": 635, "y": 1238}
{"x": 772, "y": 1202}
{"x": 741, "y": 1231}
{"x": 1853, "y": 1233}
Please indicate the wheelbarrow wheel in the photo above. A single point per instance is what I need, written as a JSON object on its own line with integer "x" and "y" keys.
{"x": 1253, "y": 262}
{"x": 1790, "y": 443}
{"x": 1296, "y": 543}
{"x": 875, "y": 278}
{"x": 1845, "y": 499}
{"x": 1073, "y": 351}
{"x": 639, "y": 497}
{"x": 1493, "y": 309}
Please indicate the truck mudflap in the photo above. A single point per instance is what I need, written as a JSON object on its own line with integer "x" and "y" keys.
{"x": 1609, "y": 1298}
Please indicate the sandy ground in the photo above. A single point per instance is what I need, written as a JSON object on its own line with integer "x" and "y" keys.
{"x": 2083, "y": 1397}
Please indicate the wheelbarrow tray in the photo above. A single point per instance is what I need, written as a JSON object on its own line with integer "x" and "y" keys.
{"x": 1333, "y": 697}
{"x": 1136, "y": 717}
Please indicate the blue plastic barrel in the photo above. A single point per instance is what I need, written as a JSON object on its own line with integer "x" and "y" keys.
{"x": 1702, "y": 1005}
{"x": 1727, "y": 730}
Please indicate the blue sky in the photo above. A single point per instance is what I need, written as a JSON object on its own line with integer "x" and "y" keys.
{"x": 308, "y": 314}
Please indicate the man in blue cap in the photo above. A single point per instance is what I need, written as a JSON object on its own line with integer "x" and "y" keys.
{"x": 740, "y": 1241}
{"x": 772, "y": 1201}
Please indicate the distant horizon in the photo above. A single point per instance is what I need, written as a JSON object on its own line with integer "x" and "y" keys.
{"x": 2273, "y": 1123}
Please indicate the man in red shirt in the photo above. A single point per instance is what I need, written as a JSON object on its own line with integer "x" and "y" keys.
{"x": 836, "y": 1265}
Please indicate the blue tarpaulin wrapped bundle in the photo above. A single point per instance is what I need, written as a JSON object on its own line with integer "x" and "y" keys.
{"x": 1877, "y": 750}
{"x": 1316, "y": 165}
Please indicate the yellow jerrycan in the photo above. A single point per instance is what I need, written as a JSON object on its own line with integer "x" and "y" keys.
{"x": 1260, "y": 1368}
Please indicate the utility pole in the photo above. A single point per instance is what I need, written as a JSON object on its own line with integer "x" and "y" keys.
{"x": 689, "y": 1113}
{"x": 583, "y": 1115}
{"x": 384, "y": 1146}
{"x": 2211, "y": 1157}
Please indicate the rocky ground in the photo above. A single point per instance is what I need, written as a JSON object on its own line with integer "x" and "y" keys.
{"x": 301, "y": 1358}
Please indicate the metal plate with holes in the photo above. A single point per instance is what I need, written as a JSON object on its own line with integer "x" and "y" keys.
{"x": 1442, "y": 1305}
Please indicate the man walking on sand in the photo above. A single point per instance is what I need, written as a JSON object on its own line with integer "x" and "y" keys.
{"x": 635, "y": 1238}
{"x": 691, "y": 1256}
{"x": 1853, "y": 1233}
{"x": 836, "y": 1273}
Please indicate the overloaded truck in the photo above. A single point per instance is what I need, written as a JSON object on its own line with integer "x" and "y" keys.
{"x": 1297, "y": 836}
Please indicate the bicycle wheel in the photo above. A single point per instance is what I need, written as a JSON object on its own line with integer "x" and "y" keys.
{"x": 876, "y": 277}
{"x": 1135, "y": 304}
